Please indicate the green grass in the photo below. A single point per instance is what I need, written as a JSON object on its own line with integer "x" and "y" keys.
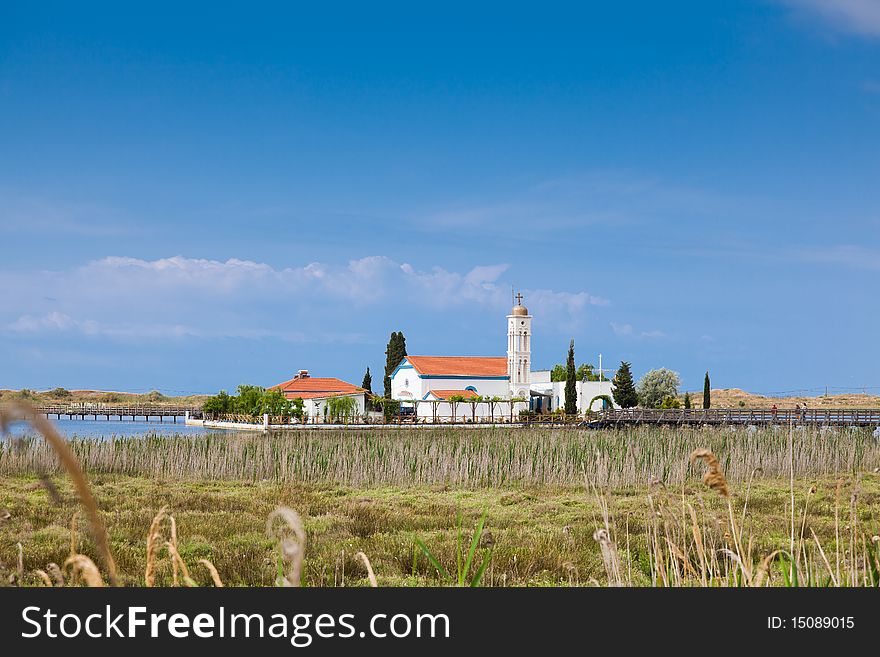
{"x": 541, "y": 535}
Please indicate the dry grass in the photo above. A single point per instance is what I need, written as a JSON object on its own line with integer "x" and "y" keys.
{"x": 476, "y": 458}
{"x": 18, "y": 411}
{"x": 732, "y": 397}
{"x": 663, "y": 533}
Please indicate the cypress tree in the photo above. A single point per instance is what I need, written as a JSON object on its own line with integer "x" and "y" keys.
{"x": 571, "y": 402}
{"x": 707, "y": 392}
{"x": 687, "y": 400}
{"x": 368, "y": 382}
{"x": 624, "y": 390}
{"x": 394, "y": 353}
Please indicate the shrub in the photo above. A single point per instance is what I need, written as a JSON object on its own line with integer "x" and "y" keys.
{"x": 656, "y": 386}
{"x": 154, "y": 396}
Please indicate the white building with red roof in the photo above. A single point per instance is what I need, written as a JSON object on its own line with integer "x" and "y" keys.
{"x": 317, "y": 391}
{"x": 443, "y": 386}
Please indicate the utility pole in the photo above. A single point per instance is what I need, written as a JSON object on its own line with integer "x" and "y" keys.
{"x": 600, "y": 370}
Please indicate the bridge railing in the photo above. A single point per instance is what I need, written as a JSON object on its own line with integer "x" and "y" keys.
{"x": 108, "y": 409}
{"x": 818, "y": 416}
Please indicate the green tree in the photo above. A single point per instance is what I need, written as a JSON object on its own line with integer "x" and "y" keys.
{"x": 340, "y": 409}
{"x": 585, "y": 372}
{"x": 656, "y": 386}
{"x": 390, "y": 407}
{"x": 219, "y": 404}
{"x": 571, "y": 402}
{"x": 670, "y": 402}
{"x": 454, "y": 401}
{"x": 687, "y": 400}
{"x": 707, "y": 392}
{"x": 367, "y": 383}
{"x": 249, "y": 400}
{"x": 623, "y": 388}
{"x": 296, "y": 408}
{"x": 394, "y": 353}
{"x": 558, "y": 373}
{"x": 276, "y": 404}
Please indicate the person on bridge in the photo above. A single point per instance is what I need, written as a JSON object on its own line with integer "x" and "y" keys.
{"x": 774, "y": 410}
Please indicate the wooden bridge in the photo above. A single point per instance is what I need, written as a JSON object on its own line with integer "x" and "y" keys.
{"x": 862, "y": 417}
{"x": 120, "y": 413}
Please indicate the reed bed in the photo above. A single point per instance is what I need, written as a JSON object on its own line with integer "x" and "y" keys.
{"x": 677, "y": 534}
{"x": 475, "y": 458}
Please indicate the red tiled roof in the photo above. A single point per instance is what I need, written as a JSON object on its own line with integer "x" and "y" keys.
{"x": 459, "y": 365}
{"x": 446, "y": 394}
{"x": 316, "y": 388}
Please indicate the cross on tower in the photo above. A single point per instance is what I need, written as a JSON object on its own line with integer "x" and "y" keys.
{"x": 519, "y": 298}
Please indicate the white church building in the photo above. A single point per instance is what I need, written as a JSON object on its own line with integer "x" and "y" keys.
{"x": 439, "y": 387}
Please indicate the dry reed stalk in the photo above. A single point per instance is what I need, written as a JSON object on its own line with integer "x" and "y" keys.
{"x": 764, "y": 568}
{"x": 824, "y": 558}
{"x": 55, "y": 572}
{"x": 742, "y": 522}
{"x": 173, "y": 541}
{"x": 370, "y": 574}
{"x": 178, "y": 560}
{"x": 658, "y": 567}
{"x": 810, "y": 491}
{"x": 837, "y": 527}
{"x": 628, "y": 555}
{"x": 715, "y": 480}
{"x": 20, "y": 565}
{"x": 853, "y": 522}
{"x": 698, "y": 541}
{"x": 875, "y": 554}
{"x": 154, "y": 542}
{"x": 27, "y": 412}
{"x": 74, "y": 534}
{"x": 609, "y": 556}
{"x": 44, "y": 577}
{"x": 291, "y": 538}
{"x": 791, "y": 490}
{"x": 215, "y": 576}
{"x": 80, "y": 564}
{"x": 714, "y": 477}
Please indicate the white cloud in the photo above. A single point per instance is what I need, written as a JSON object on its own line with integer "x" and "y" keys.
{"x": 856, "y": 16}
{"x": 626, "y": 330}
{"x": 178, "y": 297}
{"x": 846, "y": 255}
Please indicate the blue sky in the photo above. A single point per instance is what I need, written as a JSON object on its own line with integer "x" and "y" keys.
{"x": 192, "y": 198}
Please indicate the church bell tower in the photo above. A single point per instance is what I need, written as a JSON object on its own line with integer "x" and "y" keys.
{"x": 519, "y": 349}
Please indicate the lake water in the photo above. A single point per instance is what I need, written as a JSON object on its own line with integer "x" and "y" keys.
{"x": 102, "y": 429}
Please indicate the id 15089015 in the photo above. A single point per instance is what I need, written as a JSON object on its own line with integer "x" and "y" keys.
{"x": 811, "y": 623}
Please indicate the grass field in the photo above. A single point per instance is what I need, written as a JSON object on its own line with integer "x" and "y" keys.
{"x": 561, "y": 508}
{"x": 542, "y": 536}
